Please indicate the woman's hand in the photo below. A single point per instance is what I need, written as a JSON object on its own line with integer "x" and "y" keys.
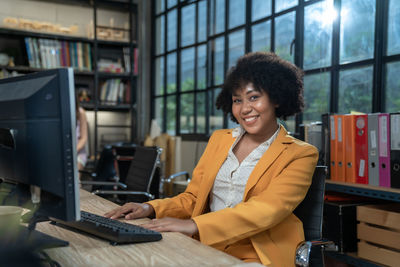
{"x": 187, "y": 227}
{"x": 131, "y": 211}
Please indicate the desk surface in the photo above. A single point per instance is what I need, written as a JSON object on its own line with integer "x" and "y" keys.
{"x": 174, "y": 249}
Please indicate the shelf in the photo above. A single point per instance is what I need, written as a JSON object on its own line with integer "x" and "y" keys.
{"x": 378, "y": 192}
{"x": 116, "y": 43}
{"x": 113, "y": 126}
{"x": 351, "y": 258}
{"x": 26, "y": 69}
{"x": 112, "y": 75}
{"x": 119, "y": 107}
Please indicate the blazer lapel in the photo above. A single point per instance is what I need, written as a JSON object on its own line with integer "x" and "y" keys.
{"x": 273, "y": 152}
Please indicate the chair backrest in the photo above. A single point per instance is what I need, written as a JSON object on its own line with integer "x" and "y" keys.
{"x": 142, "y": 169}
{"x": 310, "y": 210}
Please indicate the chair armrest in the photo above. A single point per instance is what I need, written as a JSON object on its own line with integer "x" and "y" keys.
{"x": 119, "y": 184}
{"x": 303, "y": 250}
{"x": 175, "y": 175}
{"x": 116, "y": 192}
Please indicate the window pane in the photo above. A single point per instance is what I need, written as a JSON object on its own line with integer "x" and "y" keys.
{"x": 171, "y": 115}
{"x": 201, "y": 112}
{"x": 202, "y": 21}
{"x": 261, "y": 36}
{"x": 220, "y": 16}
{"x": 201, "y": 66}
{"x": 357, "y": 24}
{"x": 316, "y": 96}
{"x": 284, "y": 4}
{"x": 393, "y": 46}
{"x": 236, "y": 46}
{"x": 159, "y": 6}
{"x": 159, "y": 66}
{"x": 237, "y": 13}
{"x": 159, "y": 112}
{"x": 171, "y": 3}
{"x": 355, "y": 90}
{"x": 160, "y": 35}
{"x": 219, "y": 60}
{"x": 188, "y": 32}
{"x": 260, "y": 9}
{"x": 171, "y": 73}
{"x": 187, "y": 69}
{"x": 187, "y": 113}
{"x": 392, "y": 91}
{"x": 318, "y": 20}
{"x": 284, "y": 35}
{"x": 216, "y": 116}
{"x": 171, "y": 44}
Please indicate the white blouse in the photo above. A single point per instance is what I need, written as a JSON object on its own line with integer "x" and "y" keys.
{"x": 229, "y": 185}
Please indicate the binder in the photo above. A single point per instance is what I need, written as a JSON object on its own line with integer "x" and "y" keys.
{"x": 395, "y": 150}
{"x": 384, "y": 149}
{"x": 333, "y": 134}
{"x": 373, "y": 158}
{"x": 340, "y": 149}
{"x": 356, "y": 148}
{"x": 325, "y": 141}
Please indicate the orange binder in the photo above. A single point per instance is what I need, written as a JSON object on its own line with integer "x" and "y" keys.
{"x": 333, "y": 134}
{"x": 340, "y": 149}
{"x": 356, "y": 148}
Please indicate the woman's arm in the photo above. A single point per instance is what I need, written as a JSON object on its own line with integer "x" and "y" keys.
{"x": 83, "y": 130}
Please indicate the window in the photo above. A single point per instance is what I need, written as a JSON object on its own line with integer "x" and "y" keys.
{"x": 336, "y": 42}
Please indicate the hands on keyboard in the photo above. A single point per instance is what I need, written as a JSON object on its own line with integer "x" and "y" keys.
{"x": 115, "y": 231}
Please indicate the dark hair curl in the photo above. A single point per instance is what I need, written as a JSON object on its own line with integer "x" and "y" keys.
{"x": 280, "y": 79}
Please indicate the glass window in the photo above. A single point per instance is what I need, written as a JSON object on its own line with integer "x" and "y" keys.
{"x": 318, "y": 20}
{"x": 289, "y": 124}
{"x": 260, "y": 9}
{"x": 392, "y": 92}
{"x": 159, "y": 112}
{"x": 201, "y": 66}
{"x": 355, "y": 90}
{"x": 261, "y": 36}
{"x": 171, "y": 115}
{"x": 201, "y": 112}
{"x": 171, "y": 23}
{"x": 236, "y": 46}
{"x": 393, "y": 33}
{"x": 159, "y": 66}
{"x": 187, "y": 69}
{"x": 171, "y": 3}
{"x": 187, "y": 113}
{"x": 284, "y": 35}
{"x": 220, "y": 16}
{"x": 219, "y": 60}
{"x": 171, "y": 73}
{"x": 216, "y": 116}
{"x": 188, "y": 16}
{"x": 160, "y": 35}
{"x": 159, "y": 6}
{"x": 281, "y": 5}
{"x": 237, "y": 13}
{"x": 316, "y": 96}
{"x": 357, "y": 30}
{"x": 202, "y": 21}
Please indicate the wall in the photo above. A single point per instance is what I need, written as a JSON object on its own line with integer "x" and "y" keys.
{"x": 190, "y": 154}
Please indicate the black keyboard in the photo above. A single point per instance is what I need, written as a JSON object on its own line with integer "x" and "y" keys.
{"x": 115, "y": 231}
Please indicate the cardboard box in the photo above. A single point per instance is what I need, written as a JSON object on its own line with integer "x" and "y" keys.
{"x": 378, "y": 254}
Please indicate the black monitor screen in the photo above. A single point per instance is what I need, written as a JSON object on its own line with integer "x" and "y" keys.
{"x": 37, "y": 143}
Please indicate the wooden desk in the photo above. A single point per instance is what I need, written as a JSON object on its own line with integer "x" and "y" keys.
{"x": 174, "y": 249}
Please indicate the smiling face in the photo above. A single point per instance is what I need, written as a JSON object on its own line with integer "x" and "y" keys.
{"x": 254, "y": 112}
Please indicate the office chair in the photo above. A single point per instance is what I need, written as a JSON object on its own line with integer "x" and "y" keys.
{"x": 142, "y": 182}
{"x": 310, "y": 212}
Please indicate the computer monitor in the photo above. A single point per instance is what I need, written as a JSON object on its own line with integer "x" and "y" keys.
{"x": 37, "y": 143}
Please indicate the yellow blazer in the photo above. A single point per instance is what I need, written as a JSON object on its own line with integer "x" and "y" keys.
{"x": 278, "y": 183}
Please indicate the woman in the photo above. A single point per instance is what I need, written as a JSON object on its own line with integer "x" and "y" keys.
{"x": 81, "y": 135}
{"x": 249, "y": 179}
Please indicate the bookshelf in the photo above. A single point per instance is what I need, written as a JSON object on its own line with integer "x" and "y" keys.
{"x": 105, "y": 68}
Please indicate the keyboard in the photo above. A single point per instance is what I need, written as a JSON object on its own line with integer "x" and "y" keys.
{"x": 112, "y": 230}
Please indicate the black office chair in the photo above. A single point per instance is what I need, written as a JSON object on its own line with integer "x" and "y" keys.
{"x": 142, "y": 181}
{"x": 310, "y": 212}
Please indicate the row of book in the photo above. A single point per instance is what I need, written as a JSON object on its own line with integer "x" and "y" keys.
{"x": 47, "y": 53}
{"x": 115, "y": 91}
{"x": 362, "y": 148}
